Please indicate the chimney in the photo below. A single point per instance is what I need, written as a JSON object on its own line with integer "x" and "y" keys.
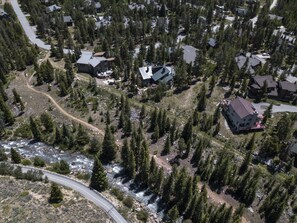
{"x": 163, "y": 70}
{"x": 147, "y": 69}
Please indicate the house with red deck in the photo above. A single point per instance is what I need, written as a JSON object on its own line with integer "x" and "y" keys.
{"x": 242, "y": 115}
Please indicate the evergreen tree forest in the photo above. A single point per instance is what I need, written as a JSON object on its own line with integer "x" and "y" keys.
{"x": 15, "y": 54}
{"x": 176, "y": 153}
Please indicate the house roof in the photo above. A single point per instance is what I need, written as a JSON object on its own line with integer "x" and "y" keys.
{"x": 97, "y": 5}
{"x": 212, "y": 42}
{"x": 85, "y": 57}
{"x": 160, "y": 73}
{"x": 242, "y": 11}
{"x": 189, "y": 53}
{"x": 242, "y": 107}
{"x": 53, "y": 8}
{"x": 286, "y": 85}
{"x": 67, "y": 19}
{"x": 94, "y": 61}
{"x": 275, "y": 17}
{"x": 146, "y": 72}
{"x": 252, "y": 62}
{"x": 260, "y": 80}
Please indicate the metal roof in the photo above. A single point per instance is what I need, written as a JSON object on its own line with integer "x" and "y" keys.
{"x": 189, "y": 53}
{"x": 146, "y": 72}
{"x": 85, "y": 57}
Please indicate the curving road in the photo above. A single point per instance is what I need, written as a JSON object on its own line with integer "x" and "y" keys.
{"x": 28, "y": 29}
{"x": 89, "y": 194}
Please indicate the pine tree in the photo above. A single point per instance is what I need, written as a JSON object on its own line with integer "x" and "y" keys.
{"x": 8, "y": 116}
{"x": 95, "y": 147}
{"x": 188, "y": 193}
{"x": 180, "y": 185}
{"x": 47, "y": 121}
{"x": 197, "y": 155}
{"x": 131, "y": 168}
{"x": 3, "y": 156}
{"x": 56, "y": 194}
{"x": 17, "y": 99}
{"x": 2, "y": 91}
{"x": 107, "y": 118}
{"x": 142, "y": 113}
{"x": 35, "y": 129}
{"x": 15, "y": 156}
{"x": 267, "y": 113}
{"x": 212, "y": 84}
{"x": 245, "y": 164}
{"x": 173, "y": 214}
{"x": 251, "y": 143}
{"x": 156, "y": 134}
{"x": 82, "y": 137}
{"x": 201, "y": 105}
{"x": 98, "y": 179}
{"x": 153, "y": 119}
{"x": 167, "y": 146}
{"x": 168, "y": 188}
{"x": 153, "y": 173}
{"x": 64, "y": 167}
{"x": 109, "y": 147}
{"x": 172, "y": 132}
{"x": 159, "y": 181}
{"x": 188, "y": 131}
{"x": 58, "y": 137}
{"x": 125, "y": 152}
{"x": 216, "y": 115}
{"x": 127, "y": 128}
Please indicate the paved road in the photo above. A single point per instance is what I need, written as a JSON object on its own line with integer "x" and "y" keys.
{"x": 261, "y": 107}
{"x": 28, "y": 29}
{"x": 89, "y": 194}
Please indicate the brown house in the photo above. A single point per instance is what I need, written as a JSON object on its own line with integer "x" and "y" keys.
{"x": 257, "y": 85}
{"x": 242, "y": 115}
{"x": 287, "y": 91}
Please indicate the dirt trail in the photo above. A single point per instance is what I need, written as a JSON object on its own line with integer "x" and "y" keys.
{"x": 216, "y": 198}
{"x": 87, "y": 125}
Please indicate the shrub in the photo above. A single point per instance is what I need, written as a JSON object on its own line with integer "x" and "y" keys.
{"x": 23, "y": 131}
{"x": 38, "y": 161}
{"x": 119, "y": 194}
{"x": 142, "y": 215}
{"x": 3, "y": 156}
{"x": 128, "y": 201}
{"x": 26, "y": 162}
